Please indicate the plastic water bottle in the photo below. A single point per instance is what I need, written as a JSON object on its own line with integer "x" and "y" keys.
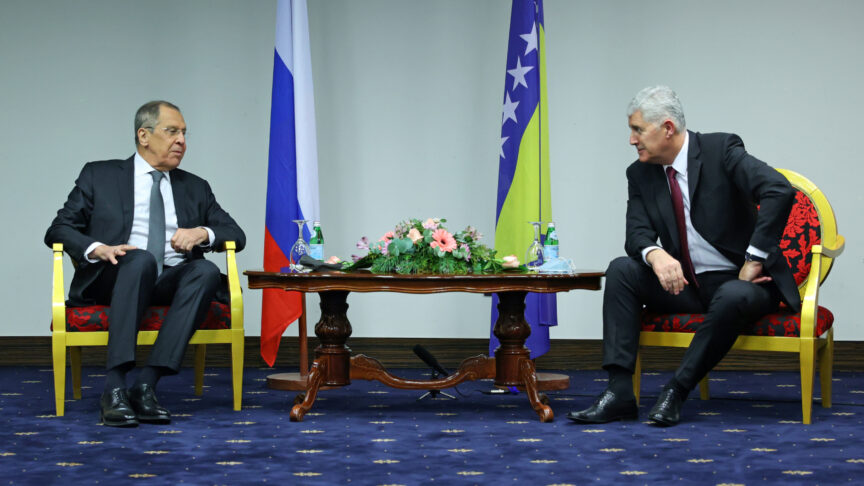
{"x": 316, "y": 242}
{"x": 550, "y": 245}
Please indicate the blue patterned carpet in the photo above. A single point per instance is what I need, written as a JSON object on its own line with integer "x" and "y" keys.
{"x": 368, "y": 434}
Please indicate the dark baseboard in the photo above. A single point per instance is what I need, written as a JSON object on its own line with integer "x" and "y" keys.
{"x": 566, "y": 354}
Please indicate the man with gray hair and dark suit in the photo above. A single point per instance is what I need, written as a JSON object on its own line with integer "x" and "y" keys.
{"x": 704, "y": 220}
{"x": 137, "y": 230}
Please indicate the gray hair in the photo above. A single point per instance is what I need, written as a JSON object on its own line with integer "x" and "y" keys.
{"x": 148, "y": 115}
{"x": 658, "y": 103}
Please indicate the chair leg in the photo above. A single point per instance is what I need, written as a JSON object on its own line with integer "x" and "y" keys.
{"x": 637, "y": 376}
{"x": 237, "y": 368}
{"x": 200, "y": 355}
{"x": 58, "y": 352}
{"x": 704, "y": 390}
{"x": 826, "y": 368}
{"x": 75, "y": 365}
{"x": 807, "y": 368}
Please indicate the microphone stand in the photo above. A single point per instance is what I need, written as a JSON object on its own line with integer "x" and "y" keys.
{"x": 434, "y": 393}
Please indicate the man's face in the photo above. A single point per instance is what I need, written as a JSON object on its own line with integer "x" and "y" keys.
{"x": 651, "y": 141}
{"x": 164, "y": 147}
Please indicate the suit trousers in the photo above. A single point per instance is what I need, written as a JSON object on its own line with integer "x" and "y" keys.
{"x": 133, "y": 284}
{"x": 730, "y": 305}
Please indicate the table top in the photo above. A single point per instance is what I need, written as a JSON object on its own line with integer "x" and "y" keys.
{"x": 365, "y": 281}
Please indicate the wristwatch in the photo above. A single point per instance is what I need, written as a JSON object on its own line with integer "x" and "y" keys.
{"x": 749, "y": 257}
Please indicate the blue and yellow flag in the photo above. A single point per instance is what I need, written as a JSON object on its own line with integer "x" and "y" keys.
{"x": 523, "y": 169}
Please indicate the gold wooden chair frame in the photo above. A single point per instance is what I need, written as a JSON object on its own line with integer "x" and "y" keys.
{"x": 808, "y": 346}
{"x": 61, "y": 339}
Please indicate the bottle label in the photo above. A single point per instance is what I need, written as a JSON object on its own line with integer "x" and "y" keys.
{"x": 550, "y": 252}
{"x": 316, "y": 251}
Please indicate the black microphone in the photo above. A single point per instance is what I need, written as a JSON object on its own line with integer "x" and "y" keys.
{"x": 430, "y": 360}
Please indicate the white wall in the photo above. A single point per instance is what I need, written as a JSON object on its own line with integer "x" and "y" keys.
{"x": 409, "y": 95}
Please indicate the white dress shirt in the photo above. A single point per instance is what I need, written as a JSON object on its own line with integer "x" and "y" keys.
{"x": 704, "y": 256}
{"x": 143, "y": 182}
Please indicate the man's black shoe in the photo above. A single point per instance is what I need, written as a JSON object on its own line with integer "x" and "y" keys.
{"x": 143, "y": 400}
{"x": 606, "y": 408}
{"x": 115, "y": 409}
{"x": 667, "y": 410}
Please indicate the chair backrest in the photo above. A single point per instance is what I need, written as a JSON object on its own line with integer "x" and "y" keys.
{"x": 811, "y": 222}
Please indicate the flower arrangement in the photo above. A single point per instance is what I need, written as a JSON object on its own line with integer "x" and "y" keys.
{"x": 416, "y": 246}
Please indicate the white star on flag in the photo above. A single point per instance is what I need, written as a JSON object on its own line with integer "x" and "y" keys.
{"x": 518, "y": 73}
{"x": 503, "y": 139}
{"x": 531, "y": 39}
{"x": 509, "y": 109}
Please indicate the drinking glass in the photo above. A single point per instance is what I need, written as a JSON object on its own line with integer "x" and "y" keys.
{"x": 299, "y": 248}
{"x": 534, "y": 255}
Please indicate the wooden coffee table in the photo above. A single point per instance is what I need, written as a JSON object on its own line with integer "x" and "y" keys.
{"x": 334, "y": 366}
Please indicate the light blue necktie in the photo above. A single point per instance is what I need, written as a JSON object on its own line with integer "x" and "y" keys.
{"x": 156, "y": 232}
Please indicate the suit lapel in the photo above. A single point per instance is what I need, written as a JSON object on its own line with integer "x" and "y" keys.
{"x": 181, "y": 207}
{"x": 694, "y": 168}
{"x": 126, "y": 188}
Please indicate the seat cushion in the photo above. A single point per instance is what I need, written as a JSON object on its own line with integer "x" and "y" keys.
{"x": 781, "y": 323}
{"x": 95, "y": 318}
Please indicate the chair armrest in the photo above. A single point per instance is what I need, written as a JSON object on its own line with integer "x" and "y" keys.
{"x": 58, "y": 297}
{"x": 810, "y": 302}
{"x": 234, "y": 285}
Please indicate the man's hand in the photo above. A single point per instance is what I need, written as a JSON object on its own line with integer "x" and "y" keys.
{"x": 110, "y": 253}
{"x": 752, "y": 272}
{"x": 187, "y": 238}
{"x": 668, "y": 271}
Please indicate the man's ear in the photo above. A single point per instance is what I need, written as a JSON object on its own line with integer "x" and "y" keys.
{"x": 143, "y": 136}
{"x": 668, "y": 128}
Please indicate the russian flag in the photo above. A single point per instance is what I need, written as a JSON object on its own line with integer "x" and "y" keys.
{"x": 292, "y": 171}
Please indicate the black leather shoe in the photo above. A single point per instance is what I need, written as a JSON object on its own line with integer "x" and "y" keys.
{"x": 667, "y": 410}
{"x": 607, "y": 408}
{"x": 115, "y": 410}
{"x": 143, "y": 400}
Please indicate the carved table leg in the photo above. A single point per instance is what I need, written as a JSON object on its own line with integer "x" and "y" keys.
{"x": 333, "y": 330}
{"x": 539, "y": 401}
{"x": 511, "y": 331}
{"x": 303, "y": 401}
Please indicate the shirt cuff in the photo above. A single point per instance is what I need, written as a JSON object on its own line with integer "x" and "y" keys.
{"x": 756, "y": 251}
{"x": 646, "y": 251}
{"x": 90, "y": 249}
{"x": 211, "y": 237}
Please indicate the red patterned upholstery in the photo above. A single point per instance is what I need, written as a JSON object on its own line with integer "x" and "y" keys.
{"x": 802, "y": 232}
{"x": 95, "y": 318}
{"x": 781, "y": 323}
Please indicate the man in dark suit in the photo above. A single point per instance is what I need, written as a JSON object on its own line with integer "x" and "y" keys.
{"x": 137, "y": 230}
{"x": 718, "y": 214}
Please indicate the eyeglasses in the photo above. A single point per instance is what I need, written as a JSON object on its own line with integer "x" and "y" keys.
{"x": 170, "y": 131}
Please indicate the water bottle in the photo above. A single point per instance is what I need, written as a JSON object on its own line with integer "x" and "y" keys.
{"x": 550, "y": 245}
{"x": 316, "y": 242}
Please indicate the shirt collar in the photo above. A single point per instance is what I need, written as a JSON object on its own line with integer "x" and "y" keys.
{"x": 680, "y": 162}
{"x": 143, "y": 167}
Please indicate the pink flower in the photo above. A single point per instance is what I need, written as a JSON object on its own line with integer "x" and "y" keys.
{"x": 443, "y": 241}
{"x": 510, "y": 261}
{"x": 431, "y": 223}
{"x": 467, "y": 249}
{"x": 415, "y": 235}
{"x": 355, "y": 258}
{"x": 363, "y": 244}
{"x": 387, "y": 237}
{"x": 334, "y": 259}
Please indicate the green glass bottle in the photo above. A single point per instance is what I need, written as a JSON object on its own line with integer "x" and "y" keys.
{"x": 550, "y": 245}
{"x": 316, "y": 242}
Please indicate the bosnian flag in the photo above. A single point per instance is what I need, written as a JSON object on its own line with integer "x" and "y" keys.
{"x": 523, "y": 162}
{"x": 292, "y": 171}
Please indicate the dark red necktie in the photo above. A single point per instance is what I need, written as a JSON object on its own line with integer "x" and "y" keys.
{"x": 678, "y": 206}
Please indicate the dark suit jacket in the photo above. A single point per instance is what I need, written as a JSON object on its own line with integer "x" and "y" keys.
{"x": 726, "y": 184}
{"x": 100, "y": 208}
